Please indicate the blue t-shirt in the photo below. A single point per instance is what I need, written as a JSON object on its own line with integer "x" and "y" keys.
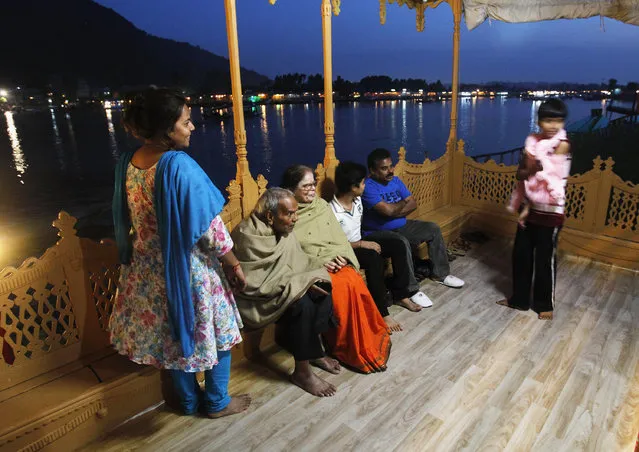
{"x": 376, "y": 192}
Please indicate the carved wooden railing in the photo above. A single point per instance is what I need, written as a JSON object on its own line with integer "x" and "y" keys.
{"x": 622, "y": 210}
{"x": 597, "y": 201}
{"x": 427, "y": 181}
{"x": 52, "y": 309}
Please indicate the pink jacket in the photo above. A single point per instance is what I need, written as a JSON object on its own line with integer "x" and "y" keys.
{"x": 546, "y": 187}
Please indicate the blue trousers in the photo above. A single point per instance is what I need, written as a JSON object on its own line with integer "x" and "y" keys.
{"x": 215, "y": 396}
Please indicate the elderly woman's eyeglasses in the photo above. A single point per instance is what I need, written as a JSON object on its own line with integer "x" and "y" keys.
{"x": 307, "y": 187}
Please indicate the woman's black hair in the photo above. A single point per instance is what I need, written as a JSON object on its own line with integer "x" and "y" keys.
{"x": 349, "y": 175}
{"x": 153, "y": 113}
{"x": 552, "y": 108}
{"x": 293, "y": 175}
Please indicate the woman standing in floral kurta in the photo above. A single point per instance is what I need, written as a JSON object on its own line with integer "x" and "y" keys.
{"x": 174, "y": 308}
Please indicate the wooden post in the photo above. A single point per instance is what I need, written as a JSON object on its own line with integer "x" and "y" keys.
{"x": 457, "y": 13}
{"x": 330, "y": 161}
{"x": 243, "y": 173}
{"x": 455, "y": 148}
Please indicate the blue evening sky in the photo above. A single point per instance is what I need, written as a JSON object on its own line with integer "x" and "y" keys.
{"x": 287, "y": 37}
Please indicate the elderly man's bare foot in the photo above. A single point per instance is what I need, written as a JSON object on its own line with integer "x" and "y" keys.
{"x": 328, "y": 364}
{"x": 408, "y": 304}
{"x": 237, "y": 405}
{"x": 392, "y": 324}
{"x": 545, "y": 315}
{"x": 313, "y": 384}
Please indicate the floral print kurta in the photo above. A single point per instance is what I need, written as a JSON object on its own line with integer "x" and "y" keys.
{"x": 139, "y": 323}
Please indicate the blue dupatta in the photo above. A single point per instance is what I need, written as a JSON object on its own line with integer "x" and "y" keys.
{"x": 186, "y": 201}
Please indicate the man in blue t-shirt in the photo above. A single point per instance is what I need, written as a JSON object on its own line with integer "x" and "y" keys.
{"x": 387, "y": 201}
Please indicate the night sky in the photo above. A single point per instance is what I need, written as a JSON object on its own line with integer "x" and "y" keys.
{"x": 287, "y": 37}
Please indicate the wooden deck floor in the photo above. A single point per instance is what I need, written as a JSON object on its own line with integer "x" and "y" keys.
{"x": 465, "y": 374}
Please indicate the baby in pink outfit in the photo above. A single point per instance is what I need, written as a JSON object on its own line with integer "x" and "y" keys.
{"x": 547, "y": 186}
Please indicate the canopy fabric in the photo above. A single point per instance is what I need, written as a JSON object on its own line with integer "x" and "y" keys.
{"x": 477, "y": 11}
{"x": 515, "y": 11}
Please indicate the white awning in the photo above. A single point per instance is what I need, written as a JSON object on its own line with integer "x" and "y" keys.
{"x": 477, "y": 11}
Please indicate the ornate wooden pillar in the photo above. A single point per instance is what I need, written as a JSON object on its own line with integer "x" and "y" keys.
{"x": 243, "y": 174}
{"x": 330, "y": 161}
{"x": 455, "y": 148}
{"x": 457, "y": 14}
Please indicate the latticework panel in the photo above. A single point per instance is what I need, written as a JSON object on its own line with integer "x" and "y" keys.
{"x": 479, "y": 185}
{"x": 104, "y": 285}
{"x": 576, "y": 201}
{"x": 36, "y": 319}
{"x": 427, "y": 188}
{"x": 623, "y": 209}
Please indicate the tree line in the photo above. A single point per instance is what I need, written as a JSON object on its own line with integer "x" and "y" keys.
{"x": 301, "y": 83}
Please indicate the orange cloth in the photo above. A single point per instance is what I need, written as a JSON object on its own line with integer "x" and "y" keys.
{"x": 361, "y": 340}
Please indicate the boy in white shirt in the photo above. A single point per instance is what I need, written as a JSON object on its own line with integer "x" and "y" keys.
{"x": 347, "y": 206}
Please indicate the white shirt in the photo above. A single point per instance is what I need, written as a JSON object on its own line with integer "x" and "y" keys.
{"x": 349, "y": 220}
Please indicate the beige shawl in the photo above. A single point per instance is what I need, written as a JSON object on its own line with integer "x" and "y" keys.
{"x": 320, "y": 234}
{"x": 278, "y": 272}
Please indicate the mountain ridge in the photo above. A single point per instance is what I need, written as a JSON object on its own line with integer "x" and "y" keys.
{"x": 59, "y": 44}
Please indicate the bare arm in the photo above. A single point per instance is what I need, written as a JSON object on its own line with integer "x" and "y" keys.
{"x": 233, "y": 271}
{"x": 396, "y": 209}
{"x": 563, "y": 148}
{"x": 367, "y": 244}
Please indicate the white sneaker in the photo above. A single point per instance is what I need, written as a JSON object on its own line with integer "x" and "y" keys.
{"x": 421, "y": 299}
{"x": 452, "y": 281}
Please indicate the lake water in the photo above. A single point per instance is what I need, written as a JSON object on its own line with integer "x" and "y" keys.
{"x": 64, "y": 160}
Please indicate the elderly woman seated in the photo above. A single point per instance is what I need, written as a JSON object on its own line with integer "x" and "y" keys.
{"x": 283, "y": 286}
{"x": 362, "y": 340}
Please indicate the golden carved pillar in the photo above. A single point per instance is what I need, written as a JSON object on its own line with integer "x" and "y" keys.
{"x": 242, "y": 174}
{"x": 457, "y": 13}
{"x": 454, "y": 147}
{"x": 330, "y": 161}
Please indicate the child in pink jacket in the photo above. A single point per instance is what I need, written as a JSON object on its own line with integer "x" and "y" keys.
{"x": 542, "y": 172}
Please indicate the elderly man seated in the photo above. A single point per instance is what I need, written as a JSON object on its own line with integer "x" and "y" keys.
{"x": 284, "y": 287}
{"x": 387, "y": 202}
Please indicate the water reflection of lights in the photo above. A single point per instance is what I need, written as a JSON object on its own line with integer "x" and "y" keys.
{"x": 533, "y": 115}
{"x": 202, "y": 123}
{"x": 267, "y": 155}
{"x": 393, "y": 118}
{"x": 473, "y": 116}
{"x": 74, "y": 144}
{"x": 112, "y": 141}
{"x": 463, "y": 117}
{"x": 502, "y": 119}
{"x": 420, "y": 124}
{"x": 280, "y": 113}
{"x": 57, "y": 141}
{"x": 19, "y": 161}
{"x": 404, "y": 125}
{"x": 223, "y": 130}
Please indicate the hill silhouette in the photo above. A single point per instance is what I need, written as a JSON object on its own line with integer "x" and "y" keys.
{"x": 59, "y": 43}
